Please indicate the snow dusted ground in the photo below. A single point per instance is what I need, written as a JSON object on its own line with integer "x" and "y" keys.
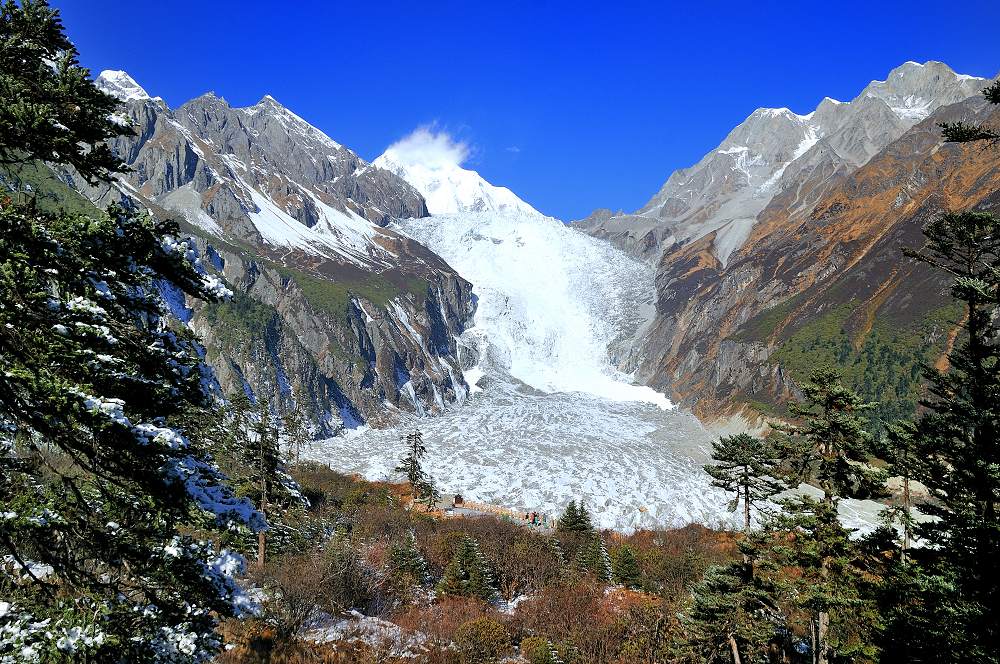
{"x": 550, "y": 418}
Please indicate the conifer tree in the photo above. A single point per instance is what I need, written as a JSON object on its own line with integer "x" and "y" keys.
{"x": 734, "y": 616}
{"x": 467, "y": 574}
{"x": 831, "y": 449}
{"x": 406, "y": 565}
{"x": 411, "y": 465}
{"x": 625, "y": 568}
{"x": 575, "y": 519}
{"x": 746, "y": 466}
{"x": 900, "y": 453}
{"x": 294, "y": 429}
{"x": 50, "y": 110}
{"x": 593, "y": 557}
{"x": 957, "y": 450}
{"x": 96, "y": 485}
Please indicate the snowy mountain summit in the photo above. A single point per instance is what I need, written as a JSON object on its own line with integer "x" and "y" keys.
{"x": 117, "y": 83}
{"x": 431, "y": 163}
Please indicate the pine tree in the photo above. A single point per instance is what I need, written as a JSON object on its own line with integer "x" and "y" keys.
{"x": 957, "y": 450}
{"x": 625, "y": 568}
{"x": 411, "y": 465}
{"x": 592, "y": 557}
{"x": 294, "y": 429}
{"x": 831, "y": 449}
{"x": 746, "y": 466}
{"x": 256, "y": 468}
{"x": 575, "y": 519}
{"x": 97, "y": 487}
{"x": 734, "y": 616}
{"x": 406, "y": 565}
{"x": 960, "y": 132}
{"x": 901, "y": 455}
{"x": 467, "y": 574}
{"x": 50, "y": 110}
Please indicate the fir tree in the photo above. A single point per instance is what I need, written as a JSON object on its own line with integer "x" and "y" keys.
{"x": 625, "y": 568}
{"x": 831, "y": 449}
{"x": 960, "y": 132}
{"x": 467, "y": 574}
{"x": 900, "y": 453}
{"x": 294, "y": 429}
{"x": 406, "y": 565}
{"x": 734, "y": 615}
{"x": 411, "y": 465}
{"x": 957, "y": 450}
{"x": 50, "y": 110}
{"x": 97, "y": 487}
{"x": 746, "y": 466}
{"x": 575, "y": 519}
{"x": 592, "y": 557}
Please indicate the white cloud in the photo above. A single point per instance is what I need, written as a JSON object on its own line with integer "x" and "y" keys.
{"x": 430, "y": 147}
{"x": 513, "y": 149}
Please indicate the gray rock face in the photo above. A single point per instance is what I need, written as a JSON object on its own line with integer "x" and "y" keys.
{"x": 334, "y": 313}
{"x": 775, "y": 149}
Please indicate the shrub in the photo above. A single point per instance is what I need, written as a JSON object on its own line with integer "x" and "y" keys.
{"x": 539, "y": 650}
{"x": 482, "y": 640}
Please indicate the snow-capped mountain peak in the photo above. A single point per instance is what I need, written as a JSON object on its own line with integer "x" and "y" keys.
{"x": 119, "y": 84}
{"x": 431, "y": 163}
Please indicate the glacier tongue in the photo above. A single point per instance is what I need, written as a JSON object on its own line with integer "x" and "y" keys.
{"x": 549, "y": 418}
{"x": 550, "y": 300}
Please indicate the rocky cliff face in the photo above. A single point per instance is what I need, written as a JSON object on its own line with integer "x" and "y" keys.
{"x": 781, "y": 249}
{"x": 823, "y": 284}
{"x": 334, "y": 314}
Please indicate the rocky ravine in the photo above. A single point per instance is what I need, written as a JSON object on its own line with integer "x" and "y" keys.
{"x": 782, "y": 248}
{"x": 334, "y": 314}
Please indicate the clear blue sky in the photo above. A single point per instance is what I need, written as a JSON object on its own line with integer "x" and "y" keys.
{"x": 574, "y": 106}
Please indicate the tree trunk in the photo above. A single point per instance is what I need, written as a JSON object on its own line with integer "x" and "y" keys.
{"x": 735, "y": 650}
{"x": 746, "y": 512}
{"x": 906, "y": 521}
{"x": 822, "y": 626}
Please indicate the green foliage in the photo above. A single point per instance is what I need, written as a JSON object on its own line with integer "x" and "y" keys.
{"x": 96, "y": 486}
{"x": 625, "y": 568}
{"x": 887, "y": 365}
{"x": 467, "y": 575}
{"x": 539, "y": 650}
{"x": 482, "y": 641}
{"x": 333, "y": 296}
{"x": 411, "y": 465}
{"x": 746, "y": 466}
{"x": 240, "y": 320}
{"x": 833, "y": 446}
{"x": 50, "y": 110}
{"x": 734, "y": 607}
{"x": 592, "y": 558}
{"x": 575, "y": 519}
{"x": 407, "y": 567}
{"x": 955, "y": 452}
{"x": 832, "y": 598}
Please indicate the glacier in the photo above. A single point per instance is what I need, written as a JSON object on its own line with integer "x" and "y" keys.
{"x": 550, "y": 416}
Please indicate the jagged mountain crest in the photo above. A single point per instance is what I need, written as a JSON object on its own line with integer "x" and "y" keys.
{"x": 728, "y": 188}
{"x": 332, "y": 306}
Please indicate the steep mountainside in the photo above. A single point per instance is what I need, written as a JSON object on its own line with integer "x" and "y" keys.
{"x": 774, "y": 150}
{"x": 334, "y": 313}
{"x": 822, "y": 283}
{"x": 782, "y": 248}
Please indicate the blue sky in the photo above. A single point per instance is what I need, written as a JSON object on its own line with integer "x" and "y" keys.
{"x": 574, "y": 106}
